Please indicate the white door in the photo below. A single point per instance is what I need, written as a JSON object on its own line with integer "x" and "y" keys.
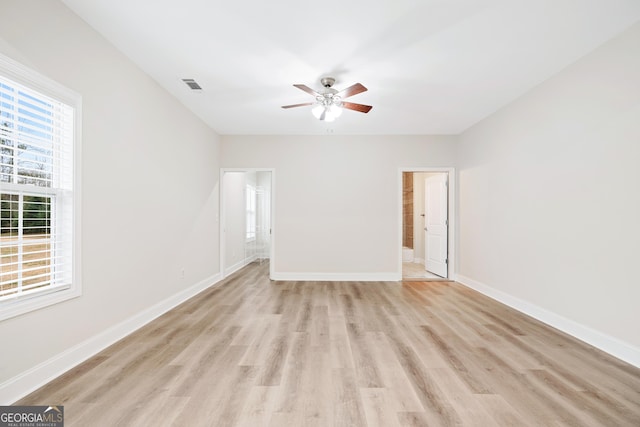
{"x": 436, "y": 224}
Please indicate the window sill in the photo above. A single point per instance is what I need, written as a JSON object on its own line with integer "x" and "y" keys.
{"x": 18, "y": 306}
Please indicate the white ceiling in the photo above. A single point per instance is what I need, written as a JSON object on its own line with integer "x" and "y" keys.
{"x": 431, "y": 66}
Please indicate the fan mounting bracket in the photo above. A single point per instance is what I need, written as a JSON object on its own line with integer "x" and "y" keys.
{"x": 327, "y": 81}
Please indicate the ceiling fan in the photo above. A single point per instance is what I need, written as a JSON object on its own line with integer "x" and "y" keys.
{"x": 329, "y": 102}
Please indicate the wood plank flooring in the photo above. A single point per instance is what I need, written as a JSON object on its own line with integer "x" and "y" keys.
{"x": 251, "y": 352}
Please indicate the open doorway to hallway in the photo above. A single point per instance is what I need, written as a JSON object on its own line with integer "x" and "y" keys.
{"x": 426, "y": 225}
{"x": 246, "y": 218}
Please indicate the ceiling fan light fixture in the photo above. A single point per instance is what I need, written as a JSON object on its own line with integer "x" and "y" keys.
{"x": 327, "y": 108}
{"x": 326, "y": 113}
{"x": 336, "y": 110}
{"x": 328, "y": 103}
{"x": 318, "y": 111}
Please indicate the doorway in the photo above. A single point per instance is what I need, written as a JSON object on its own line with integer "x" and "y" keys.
{"x": 427, "y": 224}
{"x": 246, "y": 218}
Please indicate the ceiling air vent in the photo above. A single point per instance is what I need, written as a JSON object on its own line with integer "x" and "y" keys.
{"x": 193, "y": 85}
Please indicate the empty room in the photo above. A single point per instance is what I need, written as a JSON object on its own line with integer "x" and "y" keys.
{"x": 354, "y": 213}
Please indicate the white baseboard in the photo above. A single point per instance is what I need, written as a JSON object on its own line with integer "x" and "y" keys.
{"x": 613, "y": 346}
{"x": 239, "y": 265}
{"x": 338, "y": 277}
{"x": 19, "y": 386}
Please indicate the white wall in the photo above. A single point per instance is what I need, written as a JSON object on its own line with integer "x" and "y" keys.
{"x": 150, "y": 190}
{"x": 549, "y": 199}
{"x": 337, "y": 198}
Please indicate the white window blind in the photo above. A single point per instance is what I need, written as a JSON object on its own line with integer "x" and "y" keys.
{"x": 36, "y": 193}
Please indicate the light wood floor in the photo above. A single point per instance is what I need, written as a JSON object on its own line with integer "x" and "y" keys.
{"x": 252, "y": 352}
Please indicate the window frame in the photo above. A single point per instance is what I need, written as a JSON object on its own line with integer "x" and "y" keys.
{"x": 37, "y": 82}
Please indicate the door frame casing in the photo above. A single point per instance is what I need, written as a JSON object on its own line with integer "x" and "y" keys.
{"x": 222, "y": 216}
{"x": 451, "y": 224}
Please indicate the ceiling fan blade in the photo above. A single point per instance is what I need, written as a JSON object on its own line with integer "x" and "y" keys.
{"x": 307, "y": 89}
{"x": 357, "y": 107}
{"x": 297, "y": 105}
{"x": 352, "y": 90}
